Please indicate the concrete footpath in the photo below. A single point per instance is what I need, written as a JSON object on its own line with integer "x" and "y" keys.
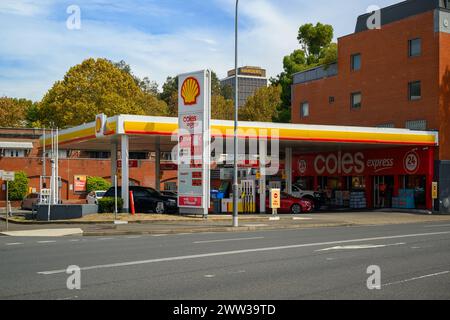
{"x": 218, "y": 223}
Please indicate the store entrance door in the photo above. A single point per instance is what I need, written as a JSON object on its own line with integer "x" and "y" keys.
{"x": 383, "y": 188}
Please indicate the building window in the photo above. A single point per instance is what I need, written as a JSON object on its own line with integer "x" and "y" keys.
{"x": 356, "y": 62}
{"x": 304, "y": 110}
{"x": 331, "y": 100}
{"x": 416, "y": 125}
{"x": 356, "y": 99}
{"x": 415, "y": 90}
{"x": 14, "y": 153}
{"x": 415, "y": 47}
{"x": 386, "y": 125}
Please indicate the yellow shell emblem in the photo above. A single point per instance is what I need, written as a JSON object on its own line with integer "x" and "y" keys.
{"x": 190, "y": 91}
{"x": 98, "y": 125}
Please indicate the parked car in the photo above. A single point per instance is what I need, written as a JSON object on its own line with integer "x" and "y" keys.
{"x": 291, "y": 204}
{"x": 169, "y": 193}
{"x": 29, "y": 201}
{"x": 148, "y": 200}
{"x": 298, "y": 192}
{"x": 94, "y": 196}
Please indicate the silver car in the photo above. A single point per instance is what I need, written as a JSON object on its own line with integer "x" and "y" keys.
{"x": 30, "y": 200}
{"x": 94, "y": 196}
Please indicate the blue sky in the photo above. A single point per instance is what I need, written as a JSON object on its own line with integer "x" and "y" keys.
{"x": 157, "y": 38}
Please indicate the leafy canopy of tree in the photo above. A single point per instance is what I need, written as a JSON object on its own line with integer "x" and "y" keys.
{"x": 93, "y": 87}
{"x": 15, "y": 113}
{"x": 96, "y": 184}
{"x": 18, "y": 189}
{"x": 262, "y": 106}
{"x": 316, "y": 48}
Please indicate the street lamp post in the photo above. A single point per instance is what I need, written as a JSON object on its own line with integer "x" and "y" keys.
{"x": 236, "y": 102}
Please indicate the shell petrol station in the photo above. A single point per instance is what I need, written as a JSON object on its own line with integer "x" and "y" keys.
{"x": 351, "y": 167}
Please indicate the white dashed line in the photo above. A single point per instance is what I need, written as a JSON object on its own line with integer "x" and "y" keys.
{"x": 47, "y": 241}
{"x": 225, "y": 240}
{"x": 417, "y": 278}
{"x": 14, "y": 243}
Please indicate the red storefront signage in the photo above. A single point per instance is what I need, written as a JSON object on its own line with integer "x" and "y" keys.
{"x": 190, "y": 201}
{"x": 131, "y": 163}
{"x": 359, "y": 163}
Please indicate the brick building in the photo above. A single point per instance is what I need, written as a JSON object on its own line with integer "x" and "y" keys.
{"x": 396, "y": 76}
{"x": 20, "y": 151}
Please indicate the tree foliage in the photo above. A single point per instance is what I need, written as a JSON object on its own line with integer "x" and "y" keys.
{"x": 262, "y": 106}
{"x": 14, "y": 112}
{"x": 18, "y": 189}
{"x": 316, "y": 48}
{"x": 93, "y": 87}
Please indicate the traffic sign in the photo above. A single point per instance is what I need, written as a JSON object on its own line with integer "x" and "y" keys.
{"x": 7, "y": 175}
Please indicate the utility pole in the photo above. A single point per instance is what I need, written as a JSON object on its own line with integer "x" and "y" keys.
{"x": 236, "y": 106}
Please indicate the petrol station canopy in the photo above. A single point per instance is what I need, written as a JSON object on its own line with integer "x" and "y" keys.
{"x": 145, "y": 132}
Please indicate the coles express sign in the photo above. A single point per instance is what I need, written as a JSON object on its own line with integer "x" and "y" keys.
{"x": 373, "y": 162}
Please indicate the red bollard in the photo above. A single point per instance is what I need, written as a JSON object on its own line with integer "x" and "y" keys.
{"x": 132, "y": 203}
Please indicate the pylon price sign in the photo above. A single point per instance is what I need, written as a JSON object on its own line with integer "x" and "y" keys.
{"x": 194, "y": 113}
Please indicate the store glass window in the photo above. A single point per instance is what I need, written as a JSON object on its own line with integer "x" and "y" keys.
{"x": 356, "y": 99}
{"x": 415, "y": 90}
{"x": 415, "y": 47}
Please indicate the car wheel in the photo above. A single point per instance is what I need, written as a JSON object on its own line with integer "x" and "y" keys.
{"x": 313, "y": 203}
{"x": 296, "y": 209}
{"x": 159, "y": 209}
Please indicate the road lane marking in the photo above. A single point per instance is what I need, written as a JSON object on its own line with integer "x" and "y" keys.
{"x": 14, "y": 244}
{"x": 103, "y": 239}
{"x": 74, "y": 240}
{"x": 134, "y": 237}
{"x": 209, "y": 276}
{"x": 362, "y": 246}
{"x": 46, "y": 241}
{"x": 437, "y": 226}
{"x": 225, "y": 240}
{"x": 416, "y": 278}
{"x": 235, "y": 252}
{"x": 301, "y": 218}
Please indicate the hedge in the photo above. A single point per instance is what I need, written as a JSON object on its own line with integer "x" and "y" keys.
{"x": 97, "y": 183}
{"x": 18, "y": 189}
{"x": 107, "y": 205}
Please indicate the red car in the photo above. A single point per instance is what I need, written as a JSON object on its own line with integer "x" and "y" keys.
{"x": 293, "y": 205}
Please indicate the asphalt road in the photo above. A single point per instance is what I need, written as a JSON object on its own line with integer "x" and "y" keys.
{"x": 325, "y": 263}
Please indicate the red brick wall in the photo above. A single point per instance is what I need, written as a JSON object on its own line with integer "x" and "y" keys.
{"x": 144, "y": 175}
{"x": 383, "y": 80}
{"x": 444, "y": 102}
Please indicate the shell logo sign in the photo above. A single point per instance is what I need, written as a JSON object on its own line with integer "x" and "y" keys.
{"x": 98, "y": 125}
{"x": 100, "y": 122}
{"x": 190, "y": 91}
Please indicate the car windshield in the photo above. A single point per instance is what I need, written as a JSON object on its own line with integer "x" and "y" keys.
{"x": 100, "y": 193}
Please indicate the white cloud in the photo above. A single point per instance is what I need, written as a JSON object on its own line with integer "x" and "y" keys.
{"x": 23, "y": 7}
{"x": 36, "y": 50}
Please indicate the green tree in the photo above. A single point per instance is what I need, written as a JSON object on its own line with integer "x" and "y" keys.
{"x": 14, "y": 112}
{"x": 97, "y": 183}
{"x": 221, "y": 108}
{"x": 263, "y": 106}
{"x": 169, "y": 95}
{"x": 18, "y": 189}
{"x": 145, "y": 83}
{"x": 316, "y": 49}
{"x": 92, "y": 87}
